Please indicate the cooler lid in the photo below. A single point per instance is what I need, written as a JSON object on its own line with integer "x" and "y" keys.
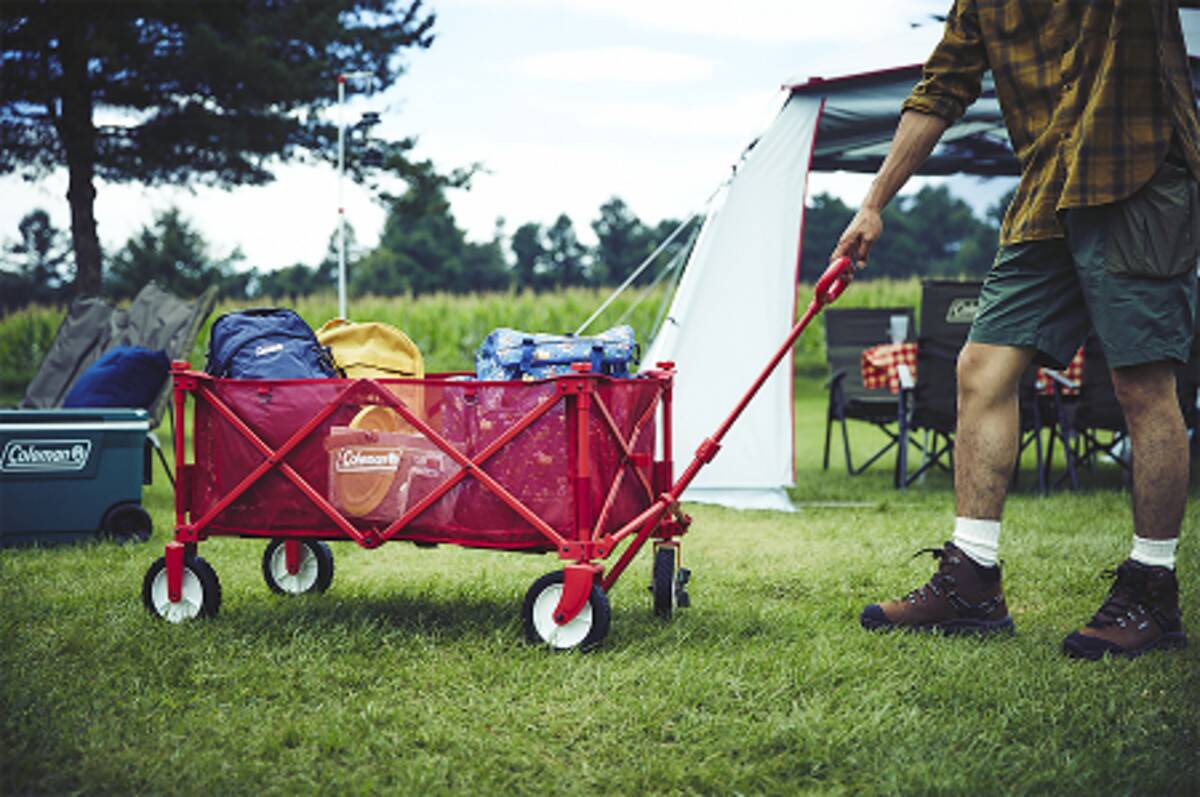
{"x": 109, "y": 418}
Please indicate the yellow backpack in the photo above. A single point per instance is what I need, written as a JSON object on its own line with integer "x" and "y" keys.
{"x": 372, "y": 350}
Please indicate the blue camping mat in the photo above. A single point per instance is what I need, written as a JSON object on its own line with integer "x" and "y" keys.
{"x": 511, "y": 354}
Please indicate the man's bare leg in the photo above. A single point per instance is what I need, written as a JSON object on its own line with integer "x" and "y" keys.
{"x": 985, "y": 443}
{"x": 964, "y": 595}
{"x": 1158, "y": 439}
{"x": 1141, "y": 612}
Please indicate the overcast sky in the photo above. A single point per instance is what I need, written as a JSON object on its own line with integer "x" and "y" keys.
{"x": 565, "y": 103}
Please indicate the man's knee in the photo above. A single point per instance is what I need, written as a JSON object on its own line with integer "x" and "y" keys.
{"x": 987, "y": 373}
{"x": 1145, "y": 388}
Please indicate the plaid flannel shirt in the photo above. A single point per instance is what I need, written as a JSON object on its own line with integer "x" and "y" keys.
{"x": 1092, "y": 93}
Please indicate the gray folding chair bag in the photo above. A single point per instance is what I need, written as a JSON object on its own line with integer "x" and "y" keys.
{"x": 81, "y": 338}
{"x": 156, "y": 319}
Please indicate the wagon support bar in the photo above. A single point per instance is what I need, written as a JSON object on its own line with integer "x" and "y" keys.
{"x": 473, "y": 467}
{"x": 629, "y": 459}
{"x": 272, "y": 458}
{"x": 577, "y": 587}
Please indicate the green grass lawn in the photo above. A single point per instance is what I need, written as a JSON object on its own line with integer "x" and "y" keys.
{"x": 409, "y": 676}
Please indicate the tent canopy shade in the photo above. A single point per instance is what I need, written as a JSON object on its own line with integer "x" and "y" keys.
{"x": 861, "y": 111}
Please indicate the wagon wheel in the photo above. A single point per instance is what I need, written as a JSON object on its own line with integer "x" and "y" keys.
{"x": 200, "y": 596}
{"x": 663, "y": 578}
{"x": 314, "y": 574}
{"x": 585, "y": 631}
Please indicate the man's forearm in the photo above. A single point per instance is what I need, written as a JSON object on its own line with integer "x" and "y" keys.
{"x": 915, "y": 138}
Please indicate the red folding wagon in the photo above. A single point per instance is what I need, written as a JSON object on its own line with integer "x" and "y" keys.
{"x": 580, "y": 465}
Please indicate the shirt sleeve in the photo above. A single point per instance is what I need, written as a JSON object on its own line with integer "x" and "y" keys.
{"x": 953, "y": 74}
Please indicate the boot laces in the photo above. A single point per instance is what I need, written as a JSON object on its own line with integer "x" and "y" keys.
{"x": 941, "y": 584}
{"x": 1124, "y": 605}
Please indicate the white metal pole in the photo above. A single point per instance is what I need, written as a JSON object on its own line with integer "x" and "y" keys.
{"x": 341, "y": 86}
{"x": 341, "y": 122}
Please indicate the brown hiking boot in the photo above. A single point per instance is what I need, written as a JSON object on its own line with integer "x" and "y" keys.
{"x": 1140, "y": 614}
{"x": 962, "y": 598}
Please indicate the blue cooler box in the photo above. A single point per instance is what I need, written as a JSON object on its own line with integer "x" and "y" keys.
{"x": 67, "y": 475}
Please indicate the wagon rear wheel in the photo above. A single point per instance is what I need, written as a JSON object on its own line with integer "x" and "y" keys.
{"x": 585, "y": 631}
{"x": 314, "y": 574}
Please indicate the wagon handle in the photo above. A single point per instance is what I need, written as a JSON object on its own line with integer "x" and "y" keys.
{"x": 833, "y": 282}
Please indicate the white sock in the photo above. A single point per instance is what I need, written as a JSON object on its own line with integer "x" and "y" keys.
{"x": 978, "y": 539}
{"x": 1155, "y": 553}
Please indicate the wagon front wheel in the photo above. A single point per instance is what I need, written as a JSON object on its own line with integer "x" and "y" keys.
{"x": 200, "y": 593}
{"x": 313, "y": 573}
{"x": 664, "y": 580}
{"x": 585, "y": 631}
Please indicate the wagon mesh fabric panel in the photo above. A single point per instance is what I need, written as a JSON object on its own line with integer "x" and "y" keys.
{"x": 375, "y": 467}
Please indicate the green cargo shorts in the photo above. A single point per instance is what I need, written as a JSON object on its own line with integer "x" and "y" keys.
{"x": 1128, "y": 269}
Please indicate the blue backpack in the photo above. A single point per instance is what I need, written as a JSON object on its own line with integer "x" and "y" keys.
{"x": 266, "y": 343}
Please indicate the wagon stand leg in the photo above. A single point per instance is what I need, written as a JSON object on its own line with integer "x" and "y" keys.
{"x": 569, "y": 608}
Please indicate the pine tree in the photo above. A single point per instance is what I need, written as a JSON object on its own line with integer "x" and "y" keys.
{"x": 208, "y": 92}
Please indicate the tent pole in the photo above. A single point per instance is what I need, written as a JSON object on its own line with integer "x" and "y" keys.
{"x": 636, "y": 272}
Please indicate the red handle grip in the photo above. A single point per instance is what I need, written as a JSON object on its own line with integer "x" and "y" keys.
{"x": 834, "y": 281}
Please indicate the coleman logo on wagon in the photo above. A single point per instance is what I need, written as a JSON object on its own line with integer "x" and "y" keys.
{"x": 364, "y": 460}
{"x": 45, "y": 456}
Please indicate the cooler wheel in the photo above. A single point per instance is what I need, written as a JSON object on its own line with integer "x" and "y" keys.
{"x": 127, "y": 522}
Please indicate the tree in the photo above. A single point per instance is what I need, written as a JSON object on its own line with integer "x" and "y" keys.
{"x": 483, "y": 265}
{"x": 565, "y": 256}
{"x": 422, "y": 249}
{"x": 289, "y": 282}
{"x": 824, "y": 220}
{"x": 924, "y": 234}
{"x": 37, "y": 265}
{"x": 207, "y": 92}
{"x": 174, "y": 254}
{"x": 623, "y": 242}
{"x": 529, "y": 253}
{"x": 928, "y": 233}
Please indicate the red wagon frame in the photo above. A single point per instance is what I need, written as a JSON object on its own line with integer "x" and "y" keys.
{"x": 583, "y": 544}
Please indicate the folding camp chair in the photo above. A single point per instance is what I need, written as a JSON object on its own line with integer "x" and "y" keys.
{"x": 847, "y": 333}
{"x": 1187, "y": 385}
{"x": 1093, "y": 422}
{"x": 155, "y": 319}
{"x": 947, "y": 309}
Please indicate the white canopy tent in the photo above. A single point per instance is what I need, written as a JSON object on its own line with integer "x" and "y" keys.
{"x": 738, "y": 299}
